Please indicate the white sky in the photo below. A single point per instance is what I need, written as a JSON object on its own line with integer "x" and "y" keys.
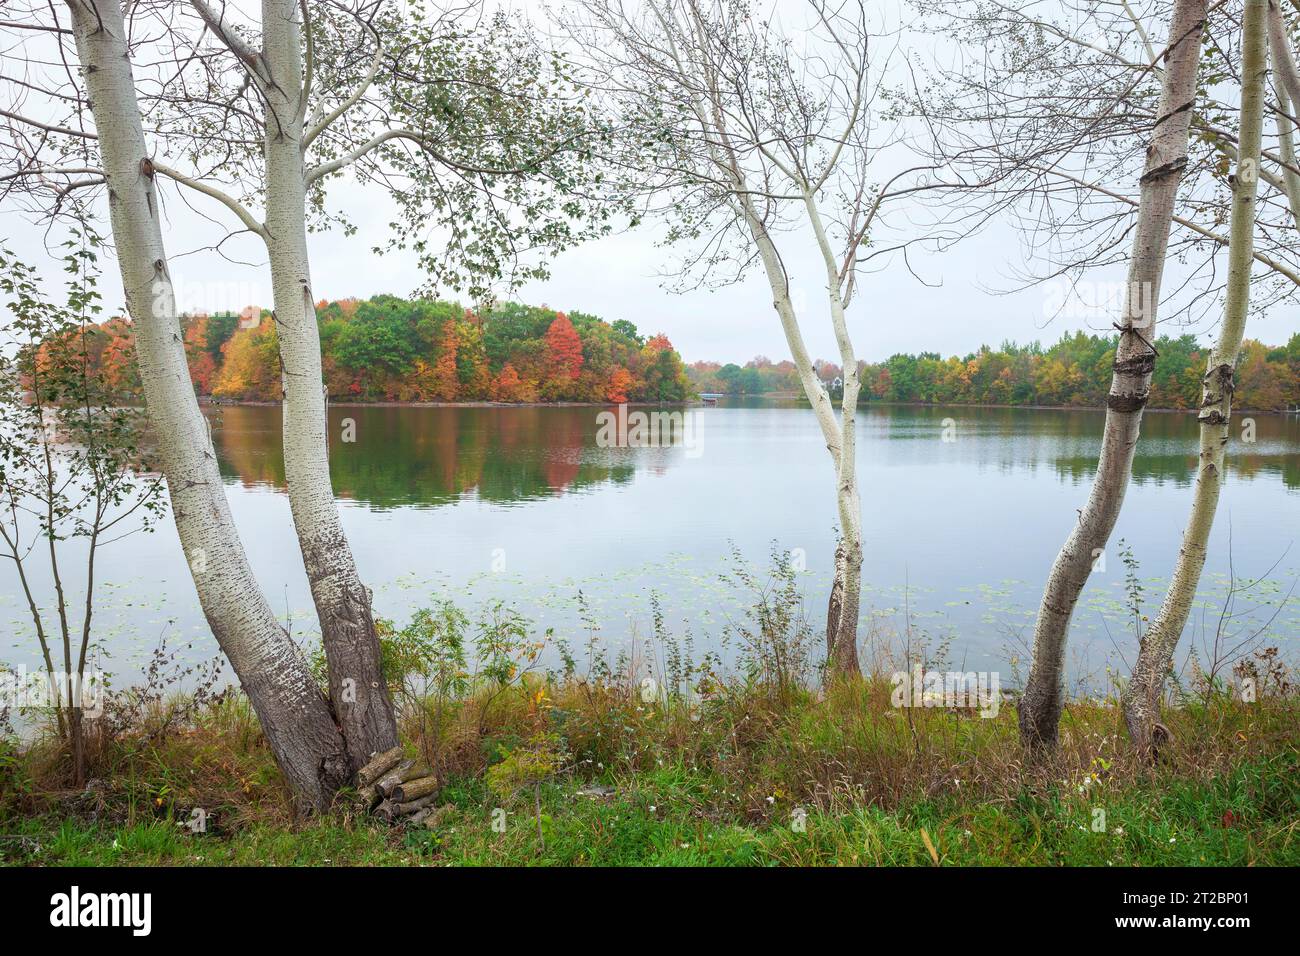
{"x": 620, "y": 277}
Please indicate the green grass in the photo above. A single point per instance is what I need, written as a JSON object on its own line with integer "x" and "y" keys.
{"x": 668, "y": 817}
{"x": 748, "y": 773}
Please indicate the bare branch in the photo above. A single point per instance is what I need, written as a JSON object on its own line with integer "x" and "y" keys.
{"x": 224, "y": 198}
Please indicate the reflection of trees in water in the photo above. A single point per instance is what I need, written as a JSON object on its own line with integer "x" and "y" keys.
{"x": 431, "y": 456}
{"x": 1070, "y": 440}
{"x": 1179, "y": 470}
{"x": 921, "y": 421}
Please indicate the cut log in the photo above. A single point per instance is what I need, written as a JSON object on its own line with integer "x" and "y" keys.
{"x": 394, "y": 777}
{"x": 415, "y": 789}
{"x": 404, "y": 771}
{"x": 414, "y": 771}
{"x": 414, "y": 806}
{"x": 379, "y": 765}
{"x": 430, "y": 817}
{"x": 385, "y": 810}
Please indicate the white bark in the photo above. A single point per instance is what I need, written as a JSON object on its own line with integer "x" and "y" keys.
{"x": 1143, "y": 692}
{"x": 842, "y": 614}
{"x": 1042, "y": 701}
{"x": 1288, "y": 100}
{"x": 706, "y": 102}
{"x": 1290, "y": 179}
{"x": 844, "y": 604}
{"x": 357, "y": 689}
{"x": 294, "y": 715}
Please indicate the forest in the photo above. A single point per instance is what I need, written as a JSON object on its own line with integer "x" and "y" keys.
{"x": 388, "y": 349}
{"x": 1074, "y": 372}
{"x": 396, "y": 350}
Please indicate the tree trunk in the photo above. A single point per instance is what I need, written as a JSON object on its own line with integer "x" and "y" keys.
{"x": 1042, "y": 701}
{"x": 842, "y": 614}
{"x": 843, "y": 646}
{"x": 835, "y": 605}
{"x": 357, "y": 689}
{"x": 77, "y": 731}
{"x": 293, "y": 714}
{"x": 1141, "y": 697}
{"x": 845, "y": 598}
{"x": 1288, "y": 98}
{"x": 846, "y": 585}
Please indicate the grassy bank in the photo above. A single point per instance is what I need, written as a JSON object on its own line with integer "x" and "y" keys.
{"x": 587, "y": 772}
{"x": 663, "y": 757}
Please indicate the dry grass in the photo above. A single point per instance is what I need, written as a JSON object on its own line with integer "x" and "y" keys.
{"x": 723, "y": 775}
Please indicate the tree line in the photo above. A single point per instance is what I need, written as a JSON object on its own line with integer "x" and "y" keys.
{"x": 401, "y": 350}
{"x": 1074, "y": 373}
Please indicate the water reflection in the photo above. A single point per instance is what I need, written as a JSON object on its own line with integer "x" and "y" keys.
{"x": 1069, "y": 441}
{"x": 425, "y": 457}
{"x": 959, "y": 534}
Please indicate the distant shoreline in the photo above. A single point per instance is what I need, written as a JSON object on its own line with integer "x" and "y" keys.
{"x": 222, "y": 403}
{"x": 1063, "y": 408}
{"x": 1042, "y": 408}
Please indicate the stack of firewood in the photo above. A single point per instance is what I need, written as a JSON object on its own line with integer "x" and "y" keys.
{"x": 393, "y": 787}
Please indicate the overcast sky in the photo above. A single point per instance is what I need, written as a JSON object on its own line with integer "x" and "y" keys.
{"x": 623, "y": 277}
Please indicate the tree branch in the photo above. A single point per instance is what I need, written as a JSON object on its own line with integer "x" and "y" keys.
{"x": 230, "y": 202}
{"x": 47, "y": 127}
{"x": 1200, "y": 230}
{"x": 251, "y": 58}
{"x": 351, "y": 101}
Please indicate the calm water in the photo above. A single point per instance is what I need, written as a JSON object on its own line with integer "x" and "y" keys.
{"x": 522, "y": 504}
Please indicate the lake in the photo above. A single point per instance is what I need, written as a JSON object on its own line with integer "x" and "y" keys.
{"x": 964, "y": 510}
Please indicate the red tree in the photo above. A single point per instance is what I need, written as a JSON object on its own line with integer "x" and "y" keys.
{"x": 620, "y": 380}
{"x": 445, "y": 382}
{"x": 203, "y": 368}
{"x": 505, "y": 388}
{"x": 563, "y": 347}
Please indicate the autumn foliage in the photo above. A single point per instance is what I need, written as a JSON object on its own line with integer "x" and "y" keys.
{"x": 391, "y": 349}
{"x": 563, "y": 348}
{"x": 1075, "y": 372}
